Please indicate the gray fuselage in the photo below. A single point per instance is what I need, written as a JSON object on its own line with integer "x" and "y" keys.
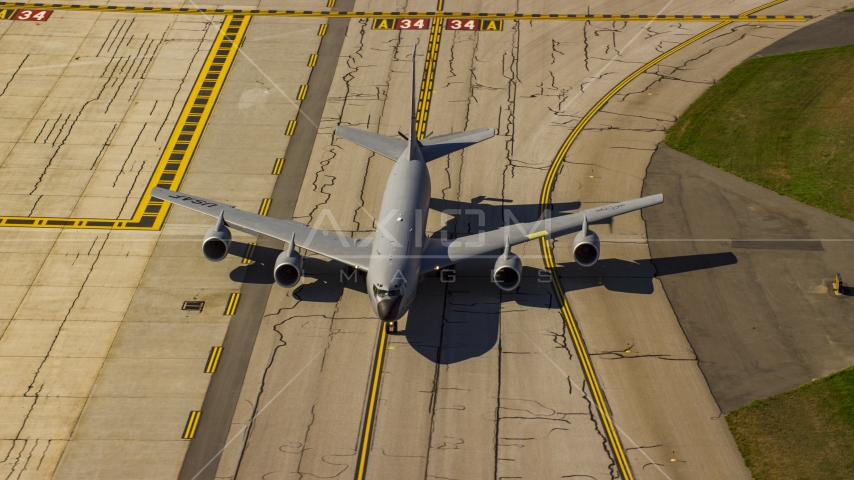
{"x": 400, "y": 236}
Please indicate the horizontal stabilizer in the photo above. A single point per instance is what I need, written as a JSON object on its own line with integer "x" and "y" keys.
{"x": 389, "y": 147}
{"x": 442, "y": 145}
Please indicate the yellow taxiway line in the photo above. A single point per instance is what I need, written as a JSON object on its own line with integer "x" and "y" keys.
{"x": 371, "y": 407}
{"x": 422, "y": 112}
{"x": 437, "y": 14}
{"x": 426, "y": 93}
{"x": 548, "y": 254}
{"x": 169, "y": 172}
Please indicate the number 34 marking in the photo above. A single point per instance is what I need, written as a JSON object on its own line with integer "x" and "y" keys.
{"x": 32, "y": 15}
{"x": 412, "y": 24}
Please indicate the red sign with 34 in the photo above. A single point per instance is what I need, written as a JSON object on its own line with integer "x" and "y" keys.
{"x": 32, "y": 15}
{"x": 462, "y": 24}
{"x": 412, "y": 24}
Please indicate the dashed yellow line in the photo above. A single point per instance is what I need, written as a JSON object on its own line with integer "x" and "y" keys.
{"x": 292, "y": 125}
{"x": 213, "y": 359}
{"x": 548, "y": 254}
{"x": 388, "y": 14}
{"x": 312, "y": 60}
{"x": 192, "y": 425}
{"x": 231, "y": 306}
{"x": 250, "y": 250}
{"x": 277, "y": 167}
{"x": 169, "y": 172}
{"x": 303, "y": 89}
{"x": 322, "y": 30}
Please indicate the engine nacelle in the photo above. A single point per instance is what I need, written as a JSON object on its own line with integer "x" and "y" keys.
{"x": 585, "y": 246}
{"x": 288, "y": 269}
{"x": 508, "y": 271}
{"x": 216, "y": 242}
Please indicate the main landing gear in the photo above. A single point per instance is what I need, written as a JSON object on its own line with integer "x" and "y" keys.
{"x": 391, "y": 327}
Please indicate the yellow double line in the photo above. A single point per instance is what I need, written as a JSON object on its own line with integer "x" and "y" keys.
{"x": 192, "y": 425}
{"x": 437, "y": 14}
{"x": 379, "y": 357}
{"x": 231, "y": 306}
{"x": 213, "y": 360}
{"x": 170, "y": 170}
{"x": 548, "y": 254}
{"x": 426, "y": 93}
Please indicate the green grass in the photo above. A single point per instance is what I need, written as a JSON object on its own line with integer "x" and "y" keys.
{"x": 785, "y": 122}
{"x": 806, "y": 433}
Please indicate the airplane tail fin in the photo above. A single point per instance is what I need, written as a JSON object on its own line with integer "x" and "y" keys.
{"x": 431, "y": 148}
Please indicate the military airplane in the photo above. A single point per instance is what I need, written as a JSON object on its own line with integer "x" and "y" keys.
{"x": 399, "y": 251}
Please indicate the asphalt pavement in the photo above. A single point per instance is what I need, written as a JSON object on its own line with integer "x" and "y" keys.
{"x": 765, "y": 321}
{"x": 833, "y": 31}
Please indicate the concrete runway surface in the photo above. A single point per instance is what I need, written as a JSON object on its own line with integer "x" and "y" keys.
{"x": 102, "y": 368}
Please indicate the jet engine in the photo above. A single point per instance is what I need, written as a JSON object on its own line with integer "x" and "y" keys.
{"x": 216, "y": 242}
{"x": 288, "y": 269}
{"x": 508, "y": 270}
{"x": 585, "y": 246}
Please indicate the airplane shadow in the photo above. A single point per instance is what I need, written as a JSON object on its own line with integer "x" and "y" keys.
{"x": 327, "y": 278}
{"x": 463, "y": 324}
{"x": 450, "y": 322}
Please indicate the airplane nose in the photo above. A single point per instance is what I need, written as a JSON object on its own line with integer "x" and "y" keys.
{"x": 388, "y": 308}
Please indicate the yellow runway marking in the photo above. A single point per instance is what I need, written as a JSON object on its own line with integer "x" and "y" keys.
{"x": 292, "y": 125}
{"x": 250, "y": 250}
{"x": 277, "y": 168}
{"x": 231, "y": 306}
{"x": 312, "y": 60}
{"x": 303, "y": 89}
{"x": 436, "y": 14}
{"x": 213, "y": 359}
{"x": 426, "y": 93}
{"x": 330, "y": 4}
{"x": 421, "y": 124}
{"x": 265, "y": 207}
{"x": 322, "y": 30}
{"x": 548, "y": 254}
{"x": 368, "y": 427}
{"x": 170, "y": 170}
{"x": 192, "y": 425}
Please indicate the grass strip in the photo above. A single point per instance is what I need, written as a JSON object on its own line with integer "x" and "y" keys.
{"x": 785, "y": 122}
{"x": 806, "y": 433}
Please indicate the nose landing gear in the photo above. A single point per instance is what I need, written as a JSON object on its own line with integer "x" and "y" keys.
{"x": 391, "y": 327}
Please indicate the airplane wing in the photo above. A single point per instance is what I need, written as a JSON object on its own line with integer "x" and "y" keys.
{"x": 389, "y": 147}
{"x": 438, "y": 254}
{"x": 350, "y": 251}
{"x": 435, "y": 147}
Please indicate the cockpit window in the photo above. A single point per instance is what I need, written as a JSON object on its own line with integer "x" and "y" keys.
{"x": 395, "y": 292}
